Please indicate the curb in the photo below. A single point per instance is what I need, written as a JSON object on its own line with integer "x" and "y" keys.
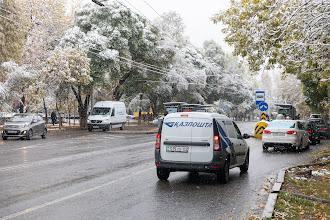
{"x": 272, "y": 198}
{"x": 133, "y": 132}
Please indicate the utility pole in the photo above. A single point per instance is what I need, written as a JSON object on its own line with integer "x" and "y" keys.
{"x": 140, "y": 108}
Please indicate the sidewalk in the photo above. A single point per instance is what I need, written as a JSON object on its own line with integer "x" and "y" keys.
{"x": 305, "y": 193}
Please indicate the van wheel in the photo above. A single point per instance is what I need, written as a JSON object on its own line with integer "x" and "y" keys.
{"x": 163, "y": 174}
{"x": 244, "y": 168}
{"x": 223, "y": 174}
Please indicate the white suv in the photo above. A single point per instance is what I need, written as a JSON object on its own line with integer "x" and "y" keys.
{"x": 200, "y": 142}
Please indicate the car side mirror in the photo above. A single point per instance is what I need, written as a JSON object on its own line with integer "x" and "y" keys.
{"x": 246, "y": 136}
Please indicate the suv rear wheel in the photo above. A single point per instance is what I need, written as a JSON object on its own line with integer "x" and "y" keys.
{"x": 163, "y": 174}
{"x": 223, "y": 174}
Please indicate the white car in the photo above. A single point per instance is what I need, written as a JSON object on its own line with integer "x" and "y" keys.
{"x": 290, "y": 134}
{"x": 200, "y": 142}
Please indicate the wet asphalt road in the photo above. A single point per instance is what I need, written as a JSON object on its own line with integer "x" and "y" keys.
{"x": 106, "y": 176}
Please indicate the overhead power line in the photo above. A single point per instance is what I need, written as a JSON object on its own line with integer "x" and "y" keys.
{"x": 152, "y": 8}
{"x": 98, "y": 2}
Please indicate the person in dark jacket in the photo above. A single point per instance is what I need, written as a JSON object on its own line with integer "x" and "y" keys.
{"x": 53, "y": 116}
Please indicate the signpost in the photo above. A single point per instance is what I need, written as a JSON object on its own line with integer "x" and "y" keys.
{"x": 260, "y": 96}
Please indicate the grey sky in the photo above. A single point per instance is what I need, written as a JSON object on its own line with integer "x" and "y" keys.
{"x": 196, "y": 15}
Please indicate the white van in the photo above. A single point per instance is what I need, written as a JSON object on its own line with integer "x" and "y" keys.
{"x": 106, "y": 115}
{"x": 200, "y": 142}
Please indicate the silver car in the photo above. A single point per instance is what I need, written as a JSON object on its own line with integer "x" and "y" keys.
{"x": 24, "y": 125}
{"x": 285, "y": 134}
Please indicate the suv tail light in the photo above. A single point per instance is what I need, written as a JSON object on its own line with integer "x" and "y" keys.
{"x": 267, "y": 132}
{"x": 291, "y": 132}
{"x": 158, "y": 138}
{"x": 216, "y": 143}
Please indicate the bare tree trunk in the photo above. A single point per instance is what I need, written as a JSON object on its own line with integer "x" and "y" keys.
{"x": 82, "y": 106}
{"x": 116, "y": 92}
{"x": 45, "y": 109}
{"x": 140, "y": 109}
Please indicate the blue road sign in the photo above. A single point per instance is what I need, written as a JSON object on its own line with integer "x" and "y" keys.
{"x": 263, "y": 106}
{"x": 260, "y": 96}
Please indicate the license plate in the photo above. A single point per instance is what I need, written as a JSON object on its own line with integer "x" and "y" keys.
{"x": 11, "y": 132}
{"x": 179, "y": 149}
{"x": 278, "y": 134}
{"x": 95, "y": 126}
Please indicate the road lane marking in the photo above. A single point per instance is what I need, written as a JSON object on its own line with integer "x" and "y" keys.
{"x": 62, "y": 199}
{"x": 68, "y": 158}
{"x": 56, "y": 143}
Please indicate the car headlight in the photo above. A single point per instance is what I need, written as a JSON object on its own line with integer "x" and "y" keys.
{"x": 88, "y": 121}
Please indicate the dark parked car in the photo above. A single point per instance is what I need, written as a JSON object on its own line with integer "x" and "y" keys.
{"x": 24, "y": 125}
{"x": 314, "y": 134}
{"x": 322, "y": 127}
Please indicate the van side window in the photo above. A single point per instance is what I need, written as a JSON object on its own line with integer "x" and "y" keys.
{"x": 232, "y": 133}
{"x": 113, "y": 112}
{"x": 237, "y": 130}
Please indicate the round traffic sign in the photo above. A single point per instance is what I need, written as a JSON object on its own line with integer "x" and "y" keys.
{"x": 263, "y": 106}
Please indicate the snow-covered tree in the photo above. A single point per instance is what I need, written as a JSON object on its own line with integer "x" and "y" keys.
{"x": 292, "y": 33}
{"x": 111, "y": 36}
{"x": 69, "y": 69}
{"x": 20, "y": 84}
{"x": 46, "y": 22}
{"x": 12, "y": 35}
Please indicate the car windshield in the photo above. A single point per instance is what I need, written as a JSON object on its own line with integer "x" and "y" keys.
{"x": 282, "y": 124}
{"x": 284, "y": 111}
{"x": 101, "y": 111}
{"x": 22, "y": 118}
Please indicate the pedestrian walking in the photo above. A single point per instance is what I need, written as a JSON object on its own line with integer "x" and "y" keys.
{"x": 53, "y": 117}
